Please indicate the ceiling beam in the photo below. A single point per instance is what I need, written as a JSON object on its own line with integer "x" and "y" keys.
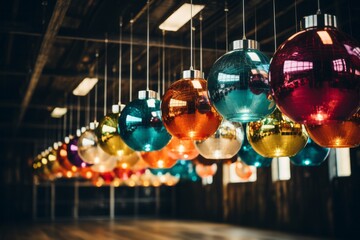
{"x": 56, "y": 20}
{"x": 138, "y": 40}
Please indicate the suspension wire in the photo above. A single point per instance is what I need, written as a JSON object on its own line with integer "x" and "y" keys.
{"x": 78, "y": 114}
{"x": 58, "y": 132}
{"x": 296, "y": 21}
{"x": 159, "y": 73}
{"x": 194, "y": 44}
{"x": 350, "y": 19}
{"x": 226, "y": 10}
{"x": 105, "y": 73}
{"x": 169, "y": 72}
{"x": 96, "y": 85}
{"x": 148, "y": 47}
{"x": 191, "y": 36}
{"x": 274, "y": 16}
{"x": 45, "y": 134}
{"x": 243, "y": 16}
{"x": 120, "y": 58}
{"x": 131, "y": 59}
{"x": 65, "y": 117}
{"x": 318, "y": 11}
{"x": 87, "y": 120}
{"x": 44, "y": 4}
{"x": 201, "y": 53}
{"x": 163, "y": 62}
{"x": 255, "y": 23}
{"x": 71, "y": 117}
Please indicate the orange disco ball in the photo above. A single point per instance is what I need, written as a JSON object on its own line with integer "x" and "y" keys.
{"x": 186, "y": 110}
{"x": 182, "y": 149}
{"x": 242, "y": 170}
{"x": 337, "y": 134}
{"x": 158, "y": 159}
{"x": 205, "y": 171}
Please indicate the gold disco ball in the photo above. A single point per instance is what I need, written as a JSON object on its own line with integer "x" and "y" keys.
{"x": 109, "y": 138}
{"x": 276, "y": 136}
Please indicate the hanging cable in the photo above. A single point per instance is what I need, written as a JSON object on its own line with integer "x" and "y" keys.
{"x": 163, "y": 62}
{"x": 131, "y": 59}
{"x": 255, "y": 23}
{"x": 120, "y": 58}
{"x": 296, "y": 21}
{"x": 87, "y": 120}
{"x": 45, "y": 134}
{"x": 201, "y": 53}
{"x": 78, "y": 114}
{"x": 191, "y": 36}
{"x": 44, "y": 4}
{"x": 226, "y": 10}
{"x": 350, "y": 19}
{"x": 148, "y": 47}
{"x": 65, "y": 117}
{"x": 58, "y": 133}
{"x": 318, "y": 11}
{"x": 105, "y": 73}
{"x": 169, "y": 71}
{"x": 243, "y": 16}
{"x": 159, "y": 73}
{"x": 194, "y": 44}
{"x": 71, "y": 118}
{"x": 96, "y": 86}
{"x": 275, "y": 44}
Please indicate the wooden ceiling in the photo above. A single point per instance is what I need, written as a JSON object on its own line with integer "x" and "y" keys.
{"x": 48, "y": 47}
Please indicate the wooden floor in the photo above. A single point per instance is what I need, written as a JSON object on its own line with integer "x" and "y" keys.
{"x": 137, "y": 230}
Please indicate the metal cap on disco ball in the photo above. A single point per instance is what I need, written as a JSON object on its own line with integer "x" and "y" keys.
{"x": 310, "y": 73}
{"x": 244, "y": 44}
{"x": 140, "y": 123}
{"x": 238, "y": 83}
{"x": 186, "y": 110}
{"x": 192, "y": 74}
{"x": 318, "y": 20}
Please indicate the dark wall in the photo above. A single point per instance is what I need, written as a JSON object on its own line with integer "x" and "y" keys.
{"x": 310, "y": 203}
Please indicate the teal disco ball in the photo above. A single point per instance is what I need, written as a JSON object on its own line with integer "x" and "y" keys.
{"x": 248, "y": 155}
{"x": 184, "y": 169}
{"x": 238, "y": 83}
{"x": 140, "y": 124}
{"x": 311, "y": 155}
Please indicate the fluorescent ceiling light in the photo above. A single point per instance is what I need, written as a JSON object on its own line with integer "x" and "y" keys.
{"x": 58, "y": 112}
{"x": 85, "y": 86}
{"x": 181, "y": 16}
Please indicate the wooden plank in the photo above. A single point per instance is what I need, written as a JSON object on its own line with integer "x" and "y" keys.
{"x": 138, "y": 230}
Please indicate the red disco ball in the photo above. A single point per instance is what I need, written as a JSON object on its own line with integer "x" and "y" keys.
{"x": 315, "y": 74}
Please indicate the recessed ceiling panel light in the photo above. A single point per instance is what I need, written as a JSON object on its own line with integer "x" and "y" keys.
{"x": 85, "y": 86}
{"x": 58, "y": 112}
{"x": 181, "y": 16}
